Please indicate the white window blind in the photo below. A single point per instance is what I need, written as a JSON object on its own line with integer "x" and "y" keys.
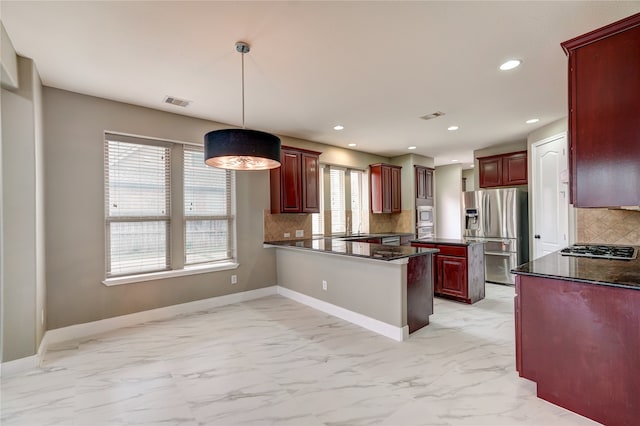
{"x": 317, "y": 219}
{"x": 357, "y": 204}
{"x": 137, "y": 207}
{"x": 208, "y": 210}
{"x": 338, "y": 223}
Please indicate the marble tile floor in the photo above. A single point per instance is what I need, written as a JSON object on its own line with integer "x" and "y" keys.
{"x": 274, "y": 361}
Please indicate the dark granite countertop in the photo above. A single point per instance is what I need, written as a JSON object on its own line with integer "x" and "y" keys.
{"x": 354, "y": 248}
{"x": 446, "y": 241}
{"x": 616, "y": 273}
{"x": 364, "y": 236}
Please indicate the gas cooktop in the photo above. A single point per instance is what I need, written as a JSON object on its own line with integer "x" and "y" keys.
{"x": 601, "y": 251}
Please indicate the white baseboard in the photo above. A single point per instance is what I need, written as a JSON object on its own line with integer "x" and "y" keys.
{"x": 96, "y": 327}
{"x": 377, "y": 326}
{"x": 19, "y": 365}
{"x": 80, "y": 331}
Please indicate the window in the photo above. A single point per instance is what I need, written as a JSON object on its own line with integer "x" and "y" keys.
{"x": 143, "y": 216}
{"x": 208, "y": 217}
{"x": 359, "y": 204}
{"x": 317, "y": 219}
{"x": 338, "y": 222}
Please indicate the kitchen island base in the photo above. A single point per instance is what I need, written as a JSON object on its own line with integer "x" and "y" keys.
{"x": 393, "y": 298}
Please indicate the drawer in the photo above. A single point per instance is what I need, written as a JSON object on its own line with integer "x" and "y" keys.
{"x": 452, "y": 250}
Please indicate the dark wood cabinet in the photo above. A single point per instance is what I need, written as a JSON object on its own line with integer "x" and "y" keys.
{"x": 579, "y": 343}
{"x": 604, "y": 115}
{"x": 385, "y": 188}
{"x": 452, "y": 276}
{"x": 458, "y": 271}
{"x": 295, "y": 184}
{"x": 503, "y": 170}
{"x": 424, "y": 186}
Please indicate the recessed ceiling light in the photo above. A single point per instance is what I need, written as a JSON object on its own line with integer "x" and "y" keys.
{"x": 411, "y": 147}
{"x": 533, "y": 120}
{"x": 453, "y": 128}
{"x": 352, "y": 144}
{"x": 510, "y": 64}
{"x": 338, "y": 127}
{"x": 454, "y": 161}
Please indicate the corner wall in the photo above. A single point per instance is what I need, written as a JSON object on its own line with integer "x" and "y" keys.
{"x": 23, "y": 271}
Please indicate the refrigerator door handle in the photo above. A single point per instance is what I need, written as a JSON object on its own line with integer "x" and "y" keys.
{"x": 494, "y": 253}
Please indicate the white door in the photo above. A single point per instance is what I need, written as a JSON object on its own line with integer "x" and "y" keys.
{"x": 550, "y": 195}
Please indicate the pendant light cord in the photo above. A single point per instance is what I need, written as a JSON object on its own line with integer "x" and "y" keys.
{"x": 243, "y": 90}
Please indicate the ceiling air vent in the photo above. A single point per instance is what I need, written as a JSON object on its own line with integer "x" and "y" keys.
{"x": 432, "y": 115}
{"x": 176, "y": 101}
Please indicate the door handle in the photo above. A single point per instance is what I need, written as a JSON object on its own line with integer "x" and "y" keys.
{"x": 537, "y": 237}
{"x": 493, "y": 253}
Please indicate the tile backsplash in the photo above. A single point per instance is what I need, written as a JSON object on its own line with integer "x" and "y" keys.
{"x": 391, "y": 222}
{"x": 276, "y": 225}
{"x": 608, "y": 226}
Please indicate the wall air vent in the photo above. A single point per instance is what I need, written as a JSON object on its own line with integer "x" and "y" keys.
{"x": 176, "y": 101}
{"x": 432, "y": 115}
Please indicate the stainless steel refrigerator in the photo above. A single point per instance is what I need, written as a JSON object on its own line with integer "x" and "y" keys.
{"x": 500, "y": 219}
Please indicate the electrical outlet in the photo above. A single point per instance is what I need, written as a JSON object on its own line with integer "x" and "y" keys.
{"x": 234, "y": 279}
{"x": 287, "y": 234}
{"x": 324, "y": 285}
{"x": 299, "y": 233}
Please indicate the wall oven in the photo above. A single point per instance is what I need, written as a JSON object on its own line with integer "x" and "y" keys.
{"x": 424, "y": 222}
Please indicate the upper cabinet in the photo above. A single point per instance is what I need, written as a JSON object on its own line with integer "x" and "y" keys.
{"x": 295, "y": 184}
{"x": 503, "y": 170}
{"x": 604, "y": 115}
{"x": 386, "y": 187}
{"x": 424, "y": 186}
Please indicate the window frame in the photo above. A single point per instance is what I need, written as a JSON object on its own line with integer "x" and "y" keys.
{"x": 176, "y": 239}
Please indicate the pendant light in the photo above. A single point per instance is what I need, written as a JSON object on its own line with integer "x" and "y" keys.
{"x": 242, "y": 149}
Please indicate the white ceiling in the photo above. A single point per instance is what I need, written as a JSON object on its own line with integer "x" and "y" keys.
{"x": 374, "y": 67}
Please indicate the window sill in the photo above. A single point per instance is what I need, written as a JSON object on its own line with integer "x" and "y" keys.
{"x": 190, "y": 270}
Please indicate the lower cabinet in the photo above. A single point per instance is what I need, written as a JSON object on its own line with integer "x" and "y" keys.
{"x": 458, "y": 271}
{"x": 452, "y": 276}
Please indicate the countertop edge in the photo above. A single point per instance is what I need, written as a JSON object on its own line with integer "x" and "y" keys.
{"x": 574, "y": 279}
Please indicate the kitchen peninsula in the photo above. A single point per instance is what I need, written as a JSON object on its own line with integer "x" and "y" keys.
{"x": 578, "y": 334}
{"x": 387, "y": 289}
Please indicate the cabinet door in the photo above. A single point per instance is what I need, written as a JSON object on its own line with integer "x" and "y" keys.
{"x": 429, "y": 187}
{"x": 310, "y": 183}
{"x": 421, "y": 183}
{"x": 396, "y": 191}
{"x": 290, "y": 182}
{"x": 604, "y": 123}
{"x": 514, "y": 169}
{"x": 386, "y": 189}
{"x": 452, "y": 275}
{"x": 490, "y": 171}
{"x": 375, "y": 187}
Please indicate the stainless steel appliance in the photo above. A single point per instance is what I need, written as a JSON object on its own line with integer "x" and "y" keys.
{"x": 424, "y": 221}
{"x": 499, "y": 218}
{"x": 599, "y": 251}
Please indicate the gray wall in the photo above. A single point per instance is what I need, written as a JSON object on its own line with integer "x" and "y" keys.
{"x": 373, "y": 288}
{"x": 23, "y": 273}
{"x": 74, "y": 126}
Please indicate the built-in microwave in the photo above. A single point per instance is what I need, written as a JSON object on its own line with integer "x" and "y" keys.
{"x": 424, "y": 214}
